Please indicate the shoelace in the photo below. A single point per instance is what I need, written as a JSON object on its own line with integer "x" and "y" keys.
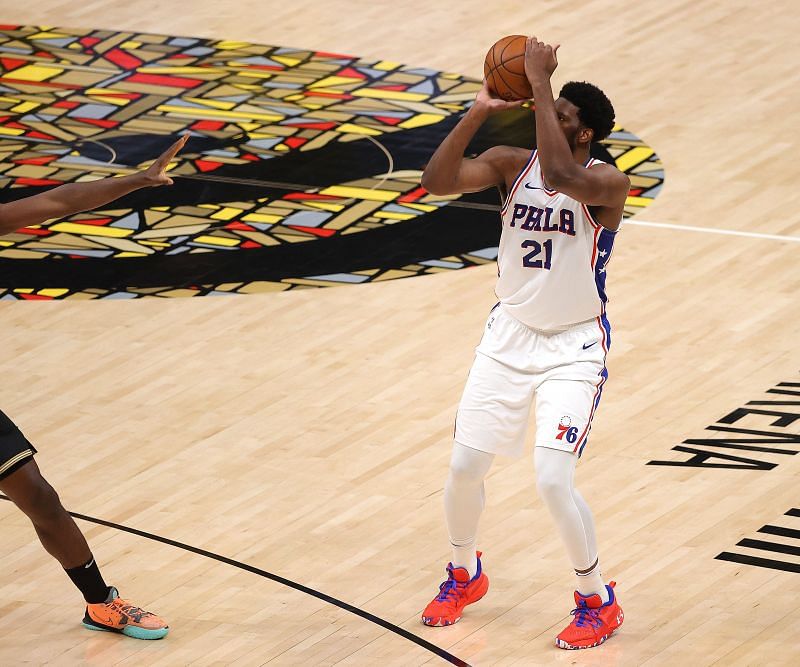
{"x": 446, "y": 590}
{"x": 585, "y": 615}
{"x": 134, "y": 612}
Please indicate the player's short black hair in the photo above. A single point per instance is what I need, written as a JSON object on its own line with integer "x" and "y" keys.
{"x": 594, "y": 108}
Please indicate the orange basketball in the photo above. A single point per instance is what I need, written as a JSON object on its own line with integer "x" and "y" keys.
{"x": 504, "y": 69}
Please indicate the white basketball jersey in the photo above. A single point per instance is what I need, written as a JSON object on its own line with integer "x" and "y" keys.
{"x": 552, "y": 257}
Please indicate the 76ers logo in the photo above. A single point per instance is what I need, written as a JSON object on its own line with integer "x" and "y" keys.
{"x": 565, "y": 431}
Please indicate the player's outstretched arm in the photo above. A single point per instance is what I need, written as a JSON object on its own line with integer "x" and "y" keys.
{"x": 448, "y": 172}
{"x": 603, "y": 185}
{"x": 76, "y": 197}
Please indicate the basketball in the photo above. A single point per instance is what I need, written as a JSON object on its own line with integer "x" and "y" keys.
{"x": 504, "y": 69}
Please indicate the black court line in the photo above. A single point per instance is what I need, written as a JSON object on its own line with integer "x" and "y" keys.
{"x": 758, "y": 562}
{"x": 445, "y": 655}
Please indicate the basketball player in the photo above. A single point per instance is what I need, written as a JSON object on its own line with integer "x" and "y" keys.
{"x": 20, "y": 478}
{"x": 546, "y": 338}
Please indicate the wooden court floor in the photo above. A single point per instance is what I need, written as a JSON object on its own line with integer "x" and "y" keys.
{"x": 307, "y": 433}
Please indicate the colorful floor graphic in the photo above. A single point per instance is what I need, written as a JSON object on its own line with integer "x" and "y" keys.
{"x": 302, "y": 169}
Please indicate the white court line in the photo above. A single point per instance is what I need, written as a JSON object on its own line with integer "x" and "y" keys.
{"x": 712, "y": 230}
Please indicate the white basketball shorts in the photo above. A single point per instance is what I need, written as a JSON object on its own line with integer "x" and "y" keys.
{"x": 564, "y": 371}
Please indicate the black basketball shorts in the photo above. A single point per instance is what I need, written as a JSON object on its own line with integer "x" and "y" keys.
{"x": 15, "y": 450}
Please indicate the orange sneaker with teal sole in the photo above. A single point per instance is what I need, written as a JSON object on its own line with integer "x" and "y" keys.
{"x": 455, "y": 594}
{"x": 117, "y": 615}
{"x": 593, "y": 621}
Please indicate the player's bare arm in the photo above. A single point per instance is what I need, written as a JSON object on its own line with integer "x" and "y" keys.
{"x": 602, "y": 185}
{"x": 76, "y": 197}
{"x": 448, "y": 172}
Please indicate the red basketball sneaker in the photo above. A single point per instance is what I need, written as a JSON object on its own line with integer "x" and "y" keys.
{"x": 593, "y": 621}
{"x": 455, "y": 594}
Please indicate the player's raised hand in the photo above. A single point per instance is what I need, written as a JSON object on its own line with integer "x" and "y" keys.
{"x": 156, "y": 173}
{"x": 540, "y": 60}
{"x": 485, "y": 100}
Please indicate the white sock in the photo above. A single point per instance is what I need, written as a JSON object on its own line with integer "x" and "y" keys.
{"x": 464, "y": 499}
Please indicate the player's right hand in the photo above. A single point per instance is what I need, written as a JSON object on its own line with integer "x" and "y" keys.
{"x": 156, "y": 173}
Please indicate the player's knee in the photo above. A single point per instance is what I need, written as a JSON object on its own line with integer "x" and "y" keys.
{"x": 41, "y": 502}
{"x": 552, "y": 488}
{"x": 468, "y": 468}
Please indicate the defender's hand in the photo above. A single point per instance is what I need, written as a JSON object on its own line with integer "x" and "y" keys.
{"x": 156, "y": 173}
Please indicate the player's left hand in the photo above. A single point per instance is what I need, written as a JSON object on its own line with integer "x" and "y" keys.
{"x": 540, "y": 60}
{"x": 156, "y": 173}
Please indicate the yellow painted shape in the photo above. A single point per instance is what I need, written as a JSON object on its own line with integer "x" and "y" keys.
{"x": 5, "y": 243}
{"x": 227, "y": 213}
{"x": 352, "y": 128}
{"x": 11, "y": 131}
{"x": 334, "y": 81}
{"x": 22, "y": 107}
{"x": 285, "y": 60}
{"x": 249, "y": 126}
{"x": 391, "y": 215}
{"x": 398, "y": 95}
{"x": 217, "y": 240}
{"x": 638, "y": 201}
{"x": 52, "y": 291}
{"x": 421, "y": 119}
{"x": 130, "y": 44}
{"x": 35, "y": 72}
{"x": 92, "y": 230}
{"x": 24, "y": 290}
{"x": 214, "y": 113}
{"x": 48, "y": 35}
{"x": 386, "y": 65}
{"x": 116, "y": 101}
{"x": 421, "y": 207}
{"x": 130, "y": 254}
{"x": 633, "y": 157}
{"x": 227, "y": 45}
{"x": 360, "y": 193}
{"x": 261, "y": 217}
{"x": 325, "y": 206}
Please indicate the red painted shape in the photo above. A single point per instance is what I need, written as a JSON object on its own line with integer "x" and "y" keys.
{"x": 413, "y": 195}
{"x": 294, "y": 142}
{"x": 8, "y": 26}
{"x": 314, "y": 230}
{"x": 207, "y": 165}
{"x": 325, "y": 54}
{"x": 89, "y": 41}
{"x": 635, "y": 192}
{"x": 249, "y": 244}
{"x": 321, "y": 125}
{"x": 34, "y": 232}
{"x": 16, "y": 125}
{"x": 66, "y": 104}
{"x": 249, "y": 156}
{"x": 350, "y": 72}
{"x": 12, "y": 63}
{"x": 240, "y": 226}
{"x": 208, "y": 125}
{"x": 164, "y": 80}
{"x": 389, "y": 120}
{"x": 123, "y": 59}
{"x": 338, "y": 96}
{"x": 33, "y": 134}
{"x": 23, "y": 180}
{"x": 44, "y": 159}
{"x": 98, "y": 121}
{"x": 36, "y": 297}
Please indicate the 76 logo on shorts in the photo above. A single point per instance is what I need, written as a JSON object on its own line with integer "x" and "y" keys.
{"x": 566, "y": 431}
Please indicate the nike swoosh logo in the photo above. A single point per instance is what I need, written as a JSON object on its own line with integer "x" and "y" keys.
{"x": 586, "y": 347}
{"x": 533, "y": 187}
